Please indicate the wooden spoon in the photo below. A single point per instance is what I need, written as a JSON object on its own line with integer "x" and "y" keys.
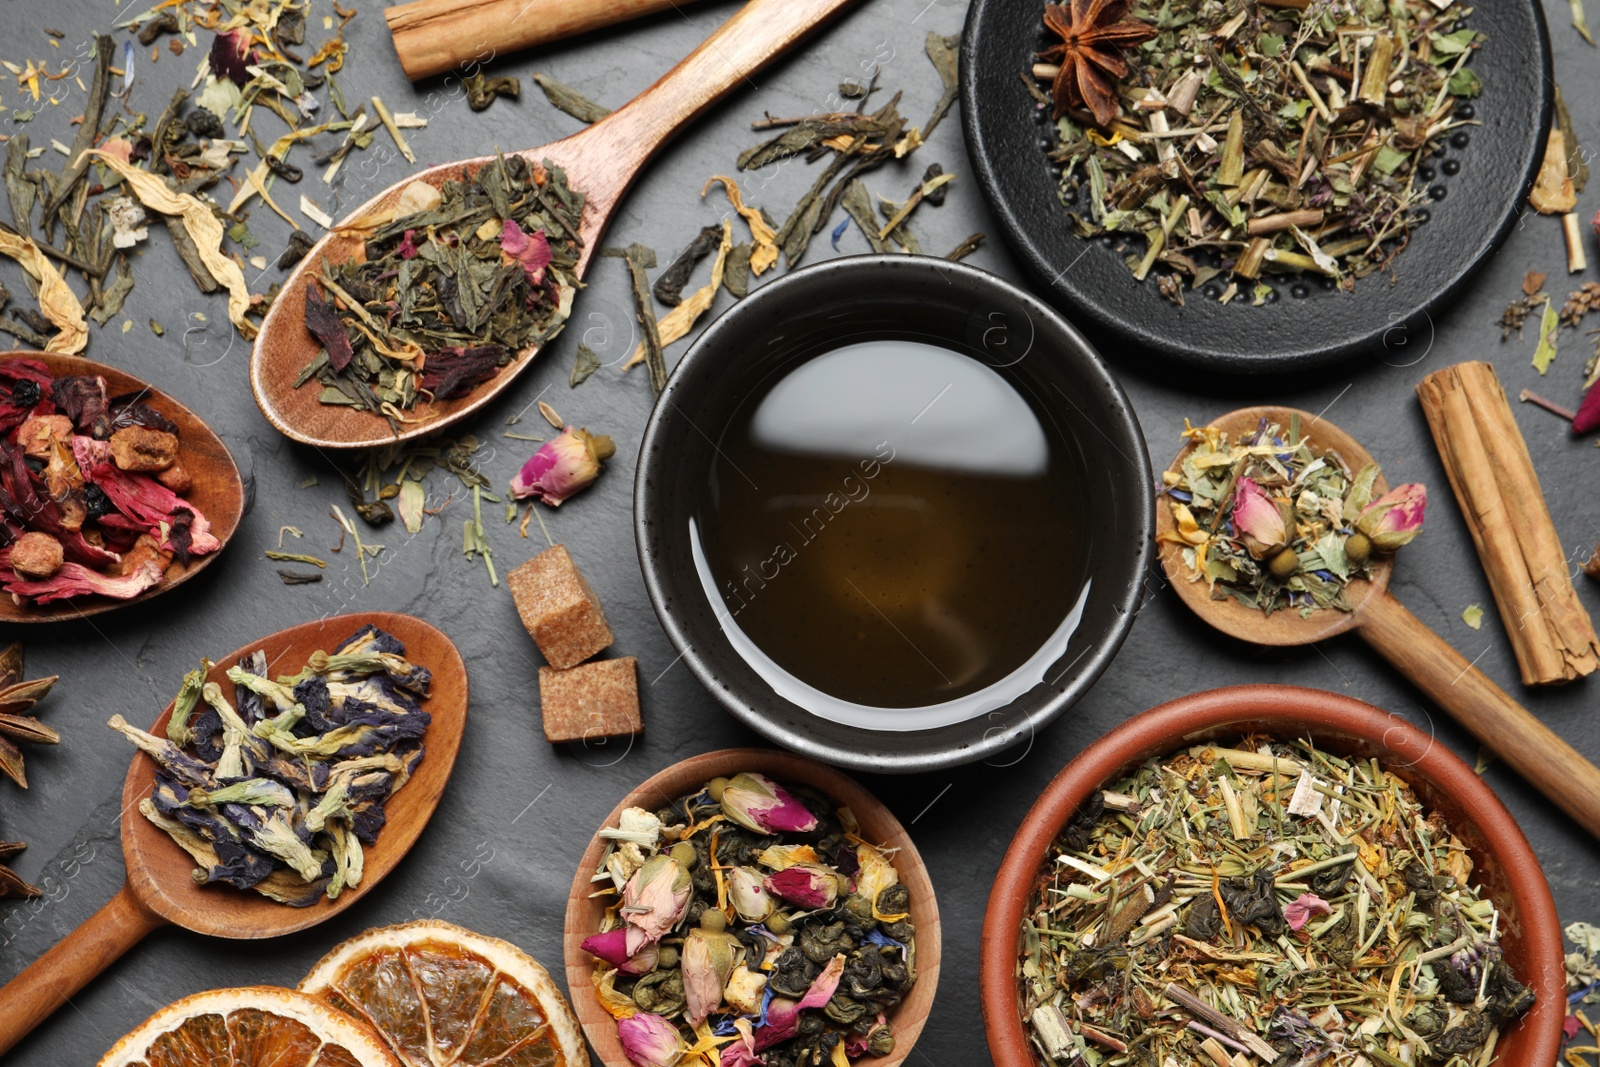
{"x": 218, "y": 488}
{"x": 601, "y": 161}
{"x": 159, "y": 889}
{"x": 1499, "y": 723}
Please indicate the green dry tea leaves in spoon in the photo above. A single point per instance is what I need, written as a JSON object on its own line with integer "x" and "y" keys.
{"x": 1264, "y": 904}
{"x": 1277, "y": 523}
{"x": 452, "y": 287}
{"x": 1284, "y": 137}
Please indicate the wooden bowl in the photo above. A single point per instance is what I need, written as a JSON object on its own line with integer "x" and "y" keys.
{"x": 218, "y": 490}
{"x": 1503, "y": 861}
{"x": 878, "y": 825}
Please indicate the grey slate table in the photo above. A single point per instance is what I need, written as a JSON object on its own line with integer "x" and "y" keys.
{"x": 503, "y": 846}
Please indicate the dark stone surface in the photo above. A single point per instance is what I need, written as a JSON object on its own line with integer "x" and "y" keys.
{"x": 501, "y": 851}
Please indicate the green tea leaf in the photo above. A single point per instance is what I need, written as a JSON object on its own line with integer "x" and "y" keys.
{"x": 583, "y": 365}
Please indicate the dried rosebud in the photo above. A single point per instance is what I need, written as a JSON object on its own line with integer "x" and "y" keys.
{"x": 657, "y": 895}
{"x": 562, "y": 466}
{"x": 805, "y": 885}
{"x": 1303, "y": 908}
{"x": 757, "y": 803}
{"x": 1587, "y": 417}
{"x": 649, "y": 1040}
{"x": 1395, "y": 518}
{"x": 1257, "y": 519}
{"x": 627, "y": 948}
{"x": 750, "y": 898}
{"x": 707, "y": 963}
{"x": 230, "y": 55}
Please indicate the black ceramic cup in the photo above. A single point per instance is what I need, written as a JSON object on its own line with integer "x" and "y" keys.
{"x": 844, "y": 301}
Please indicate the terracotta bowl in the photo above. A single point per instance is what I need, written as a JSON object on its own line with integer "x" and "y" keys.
{"x": 1505, "y": 864}
{"x": 878, "y": 825}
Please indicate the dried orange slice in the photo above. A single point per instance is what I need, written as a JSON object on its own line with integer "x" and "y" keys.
{"x": 257, "y": 1026}
{"x": 447, "y": 997}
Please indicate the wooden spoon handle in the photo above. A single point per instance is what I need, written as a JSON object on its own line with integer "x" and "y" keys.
{"x": 50, "y": 981}
{"x": 1504, "y": 727}
{"x": 753, "y": 37}
{"x": 433, "y": 36}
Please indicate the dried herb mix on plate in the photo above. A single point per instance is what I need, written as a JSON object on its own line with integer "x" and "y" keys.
{"x": 1284, "y": 137}
{"x": 1264, "y": 904}
{"x": 452, "y": 285}
{"x": 91, "y": 490}
{"x": 280, "y": 789}
{"x": 751, "y": 924}
{"x": 1276, "y": 523}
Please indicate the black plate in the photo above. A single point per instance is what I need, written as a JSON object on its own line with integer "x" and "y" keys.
{"x": 1307, "y": 322}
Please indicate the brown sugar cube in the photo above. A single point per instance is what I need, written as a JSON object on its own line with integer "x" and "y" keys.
{"x": 599, "y": 699}
{"x": 559, "y": 609}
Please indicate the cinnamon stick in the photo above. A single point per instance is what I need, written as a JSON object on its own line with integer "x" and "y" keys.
{"x": 1498, "y": 489}
{"x": 435, "y": 36}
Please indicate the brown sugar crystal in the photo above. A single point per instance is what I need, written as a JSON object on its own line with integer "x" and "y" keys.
{"x": 599, "y": 699}
{"x": 559, "y": 609}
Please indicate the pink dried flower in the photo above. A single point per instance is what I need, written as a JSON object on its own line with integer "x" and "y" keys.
{"x": 649, "y": 1040}
{"x": 783, "y": 1014}
{"x": 1395, "y": 518}
{"x": 530, "y": 250}
{"x": 757, "y": 803}
{"x": 563, "y": 465}
{"x": 1257, "y": 519}
{"x": 806, "y": 885}
{"x": 1303, "y": 908}
{"x": 627, "y": 948}
{"x": 657, "y": 895}
{"x": 408, "y": 245}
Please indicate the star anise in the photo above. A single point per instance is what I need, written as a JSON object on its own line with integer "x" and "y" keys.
{"x": 16, "y": 697}
{"x": 1093, "y": 36}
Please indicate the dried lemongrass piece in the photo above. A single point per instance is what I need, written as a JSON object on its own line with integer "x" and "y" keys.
{"x": 765, "y": 252}
{"x": 57, "y": 302}
{"x": 677, "y": 323}
{"x": 202, "y": 226}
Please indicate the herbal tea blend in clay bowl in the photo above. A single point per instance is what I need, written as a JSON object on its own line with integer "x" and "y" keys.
{"x": 1256, "y": 189}
{"x": 756, "y": 905}
{"x": 1267, "y": 870}
{"x": 890, "y": 511}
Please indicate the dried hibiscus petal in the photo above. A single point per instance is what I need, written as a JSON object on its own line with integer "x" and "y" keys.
{"x": 451, "y": 372}
{"x": 322, "y": 322}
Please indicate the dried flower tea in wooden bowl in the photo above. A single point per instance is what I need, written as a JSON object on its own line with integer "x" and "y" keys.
{"x": 755, "y": 905}
{"x": 111, "y": 492}
{"x": 1261, "y": 872}
{"x": 1214, "y": 182}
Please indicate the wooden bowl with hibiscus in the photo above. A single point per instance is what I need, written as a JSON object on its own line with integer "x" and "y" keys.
{"x": 878, "y": 826}
{"x": 136, "y": 502}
